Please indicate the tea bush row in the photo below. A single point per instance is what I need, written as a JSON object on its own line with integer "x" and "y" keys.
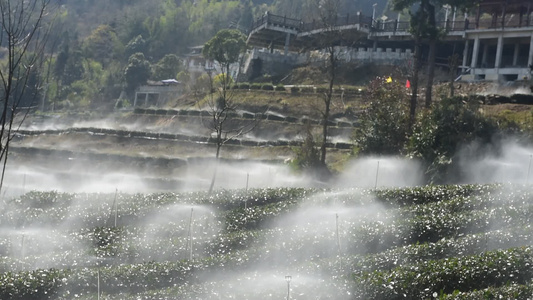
{"x": 433, "y": 277}
{"x": 470, "y": 244}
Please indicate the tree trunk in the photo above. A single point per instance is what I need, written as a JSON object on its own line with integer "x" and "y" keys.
{"x": 219, "y": 145}
{"x": 325, "y": 130}
{"x": 414, "y": 85}
{"x": 453, "y": 63}
{"x": 431, "y": 72}
{"x": 433, "y": 35}
{"x": 327, "y": 104}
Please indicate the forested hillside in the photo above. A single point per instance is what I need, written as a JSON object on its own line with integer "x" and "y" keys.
{"x": 98, "y": 49}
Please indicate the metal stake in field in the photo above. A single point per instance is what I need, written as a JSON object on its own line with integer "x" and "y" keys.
{"x": 189, "y": 236}
{"x": 247, "y": 180}
{"x": 338, "y": 239}
{"x": 288, "y": 279}
{"x": 116, "y": 206}
{"x": 98, "y": 277}
{"x": 98, "y": 282}
{"x": 22, "y": 254}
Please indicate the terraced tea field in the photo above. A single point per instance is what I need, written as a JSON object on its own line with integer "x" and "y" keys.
{"x": 150, "y": 150}
{"x": 446, "y": 242}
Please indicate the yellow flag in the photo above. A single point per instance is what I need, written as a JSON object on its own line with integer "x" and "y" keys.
{"x": 389, "y": 80}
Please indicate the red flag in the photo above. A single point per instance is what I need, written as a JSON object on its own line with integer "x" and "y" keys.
{"x": 408, "y": 84}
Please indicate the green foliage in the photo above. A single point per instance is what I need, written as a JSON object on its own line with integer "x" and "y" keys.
{"x": 225, "y": 47}
{"x": 280, "y": 88}
{"x": 244, "y": 85}
{"x": 137, "y": 44}
{"x": 221, "y": 80}
{"x": 384, "y": 125}
{"x": 439, "y": 133}
{"x": 183, "y": 76}
{"x": 166, "y": 68}
{"x": 255, "y": 86}
{"x": 103, "y": 45}
{"x": 267, "y": 87}
{"x": 307, "y": 156}
{"x": 73, "y": 69}
{"x": 423, "y": 280}
{"x": 137, "y": 72}
{"x": 449, "y": 242}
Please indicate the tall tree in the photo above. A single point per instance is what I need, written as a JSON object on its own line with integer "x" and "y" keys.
{"x": 418, "y": 26}
{"x": 103, "y": 45}
{"x": 137, "y": 72}
{"x": 24, "y": 28}
{"x": 328, "y": 15}
{"x": 424, "y": 27}
{"x": 224, "y": 48}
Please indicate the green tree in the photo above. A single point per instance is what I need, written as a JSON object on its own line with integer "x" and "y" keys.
{"x": 307, "y": 155}
{"x": 137, "y": 72}
{"x": 225, "y": 49}
{"x": 328, "y": 16}
{"x": 423, "y": 27}
{"x": 440, "y": 132}
{"x": 137, "y": 44}
{"x": 103, "y": 45}
{"x": 246, "y": 17}
{"x": 385, "y": 123}
{"x": 167, "y": 67}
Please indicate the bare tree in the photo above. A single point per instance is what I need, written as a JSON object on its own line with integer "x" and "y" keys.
{"x": 329, "y": 19}
{"x": 24, "y": 29}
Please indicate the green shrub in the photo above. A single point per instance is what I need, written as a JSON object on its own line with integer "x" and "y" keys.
{"x": 244, "y": 85}
{"x": 255, "y": 86}
{"x": 267, "y": 87}
{"x": 295, "y": 89}
{"x": 438, "y": 134}
{"x": 385, "y": 124}
{"x": 435, "y": 277}
{"x": 280, "y": 88}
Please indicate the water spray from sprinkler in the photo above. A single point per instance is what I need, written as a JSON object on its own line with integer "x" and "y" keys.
{"x": 529, "y": 169}
{"x": 24, "y": 184}
{"x": 377, "y": 175}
